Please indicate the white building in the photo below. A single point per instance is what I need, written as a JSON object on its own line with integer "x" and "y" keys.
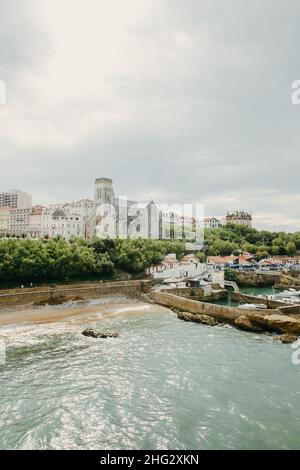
{"x": 188, "y": 266}
{"x": 119, "y": 217}
{"x": 169, "y": 262}
{"x": 34, "y": 229}
{"x": 180, "y": 271}
{"x": 15, "y": 199}
{"x": 67, "y": 220}
{"x": 19, "y": 221}
{"x": 62, "y": 222}
{"x": 85, "y": 207}
{"x": 4, "y": 220}
{"x": 189, "y": 259}
{"x": 211, "y": 222}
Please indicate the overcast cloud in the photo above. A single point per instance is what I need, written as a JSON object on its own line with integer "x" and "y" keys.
{"x": 180, "y": 101}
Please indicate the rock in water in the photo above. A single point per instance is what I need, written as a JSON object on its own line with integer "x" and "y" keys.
{"x": 275, "y": 322}
{"x": 204, "y": 319}
{"x": 286, "y": 339}
{"x": 244, "y": 323}
{"x": 98, "y": 334}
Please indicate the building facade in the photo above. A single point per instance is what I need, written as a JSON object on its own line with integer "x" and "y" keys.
{"x": 239, "y": 218}
{"x": 211, "y": 222}
{"x": 34, "y": 228}
{"x": 15, "y": 199}
{"x": 4, "y": 220}
{"x": 67, "y": 220}
{"x": 63, "y": 222}
{"x": 119, "y": 217}
{"x": 19, "y": 221}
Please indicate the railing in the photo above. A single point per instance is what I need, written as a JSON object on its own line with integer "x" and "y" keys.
{"x": 232, "y": 284}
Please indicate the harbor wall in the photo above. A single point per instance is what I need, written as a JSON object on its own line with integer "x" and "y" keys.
{"x": 15, "y": 297}
{"x": 290, "y": 310}
{"x": 220, "y": 312}
{"x": 198, "y": 293}
{"x": 253, "y": 299}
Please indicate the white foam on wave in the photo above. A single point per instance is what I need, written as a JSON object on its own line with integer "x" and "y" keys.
{"x": 20, "y": 335}
{"x": 137, "y": 308}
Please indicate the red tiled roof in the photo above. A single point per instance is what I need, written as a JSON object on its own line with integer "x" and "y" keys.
{"x": 243, "y": 259}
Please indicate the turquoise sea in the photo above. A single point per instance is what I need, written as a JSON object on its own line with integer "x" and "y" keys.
{"x": 164, "y": 384}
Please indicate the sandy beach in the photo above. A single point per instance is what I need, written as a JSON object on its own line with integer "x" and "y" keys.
{"x": 89, "y": 309}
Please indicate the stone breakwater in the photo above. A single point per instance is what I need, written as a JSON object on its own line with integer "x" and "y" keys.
{"x": 219, "y": 312}
{"x": 284, "y": 320}
{"x": 11, "y": 298}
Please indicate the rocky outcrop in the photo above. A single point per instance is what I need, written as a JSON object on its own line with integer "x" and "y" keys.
{"x": 253, "y": 320}
{"x": 244, "y": 323}
{"x": 276, "y": 322}
{"x": 286, "y": 339}
{"x": 98, "y": 334}
{"x": 204, "y": 319}
{"x": 256, "y": 279}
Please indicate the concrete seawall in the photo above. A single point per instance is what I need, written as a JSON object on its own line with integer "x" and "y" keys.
{"x": 253, "y": 299}
{"x": 197, "y": 293}
{"x": 15, "y": 297}
{"x": 219, "y": 312}
{"x": 290, "y": 310}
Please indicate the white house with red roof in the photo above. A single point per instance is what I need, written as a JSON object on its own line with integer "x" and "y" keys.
{"x": 211, "y": 222}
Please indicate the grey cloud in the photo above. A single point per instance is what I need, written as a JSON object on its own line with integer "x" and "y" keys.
{"x": 22, "y": 38}
{"x": 211, "y": 118}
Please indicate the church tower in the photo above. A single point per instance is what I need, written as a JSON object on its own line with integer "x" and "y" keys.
{"x": 105, "y": 220}
{"x": 104, "y": 193}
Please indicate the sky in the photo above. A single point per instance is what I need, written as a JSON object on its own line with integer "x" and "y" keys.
{"x": 177, "y": 101}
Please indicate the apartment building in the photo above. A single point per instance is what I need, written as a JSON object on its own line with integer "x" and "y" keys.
{"x": 4, "y": 220}
{"x": 15, "y": 199}
{"x": 65, "y": 222}
{"x": 19, "y": 220}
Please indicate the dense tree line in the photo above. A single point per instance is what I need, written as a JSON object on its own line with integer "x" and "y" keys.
{"x": 25, "y": 261}
{"x": 236, "y": 238}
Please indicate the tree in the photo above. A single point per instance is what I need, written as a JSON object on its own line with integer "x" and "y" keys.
{"x": 291, "y": 248}
{"x": 201, "y": 256}
{"x": 262, "y": 254}
{"x": 224, "y": 248}
{"x": 231, "y": 275}
{"x": 262, "y": 249}
{"x": 275, "y": 250}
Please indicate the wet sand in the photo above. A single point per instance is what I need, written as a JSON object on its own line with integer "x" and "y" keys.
{"x": 50, "y": 314}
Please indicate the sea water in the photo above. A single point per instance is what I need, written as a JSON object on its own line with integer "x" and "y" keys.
{"x": 163, "y": 384}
